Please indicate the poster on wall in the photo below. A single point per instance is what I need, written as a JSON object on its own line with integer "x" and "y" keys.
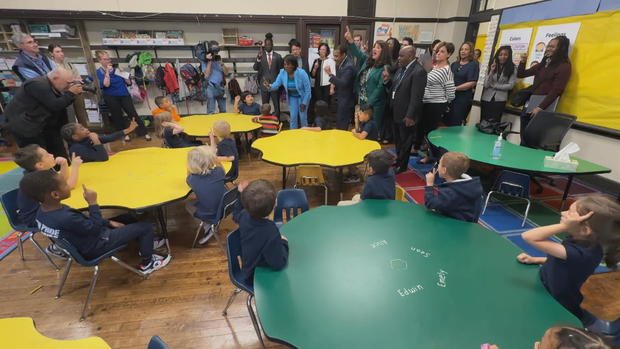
{"x": 385, "y": 30}
{"x": 518, "y": 39}
{"x": 544, "y": 35}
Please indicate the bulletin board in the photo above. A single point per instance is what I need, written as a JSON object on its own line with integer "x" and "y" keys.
{"x": 592, "y": 94}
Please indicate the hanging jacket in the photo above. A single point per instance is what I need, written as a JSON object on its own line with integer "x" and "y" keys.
{"x": 170, "y": 79}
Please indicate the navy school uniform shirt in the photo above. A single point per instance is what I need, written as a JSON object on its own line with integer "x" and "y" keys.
{"x": 460, "y": 199}
{"x": 261, "y": 243}
{"x": 209, "y": 189}
{"x": 27, "y": 207}
{"x": 380, "y": 186}
{"x": 90, "y": 152}
{"x": 320, "y": 122}
{"x": 252, "y": 109}
{"x": 82, "y": 231}
{"x": 370, "y": 127}
{"x": 176, "y": 140}
{"x": 564, "y": 278}
{"x": 227, "y": 147}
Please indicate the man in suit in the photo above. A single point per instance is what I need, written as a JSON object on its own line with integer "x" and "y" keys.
{"x": 406, "y": 91}
{"x": 343, "y": 80}
{"x": 268, "y": 64}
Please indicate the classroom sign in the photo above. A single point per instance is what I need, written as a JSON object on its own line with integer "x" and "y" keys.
{"x": 518, "y": 39}
{"x": 544, "y": 35}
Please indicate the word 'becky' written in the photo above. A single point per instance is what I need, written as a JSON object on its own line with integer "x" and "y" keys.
{"x": 409, "y": 291}
{"x": 378, "y": 244}
{"x": 442, "y": 278}
{"x": 421, "y": 252}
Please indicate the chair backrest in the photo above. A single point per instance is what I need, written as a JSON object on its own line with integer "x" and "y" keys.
{"x": 546, "y": 130}
{"x": 309, "y": 175}
{"x": 227, "y": 203}
{"x": 292, "y": 201}
{"x": 157, "y": 343}
{"x": 9, "y": 204}
{"x": 513, "y": 184}
{"x": 234, "y": 261}
{"x": 478, "y": 207}
{"x": 399, "y": 194}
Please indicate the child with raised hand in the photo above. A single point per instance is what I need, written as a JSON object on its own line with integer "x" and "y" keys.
{"x": 261, "y": 241}
{"x": 89, "y": 145}
{"x": 171, "y": 132}
{"x": 165, "y": 105}
{"x": 594, "y": 226}
{"x": 321, "y": 109}
{"x": 206, "y": 178}
{"x": 566, "y": 337}
{"x": 221, "y": 138}
{"x": 248, "y": 106}
{"x": 460, "y": 196}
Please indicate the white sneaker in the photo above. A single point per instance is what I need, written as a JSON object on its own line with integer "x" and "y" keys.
{"x": 157, "y": 262}
{"x": 206, "y": 238}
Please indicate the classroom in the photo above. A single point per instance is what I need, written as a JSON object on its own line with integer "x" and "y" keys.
{"x": 337, "y": 174}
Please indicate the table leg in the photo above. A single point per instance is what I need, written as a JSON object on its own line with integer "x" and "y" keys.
{"x": 247, "y": 145}
{"x": 283, "y": 177}
{"x": 340, "y": 181}
{"x": 162, "y": 223}
{"x": 566, "y": 191}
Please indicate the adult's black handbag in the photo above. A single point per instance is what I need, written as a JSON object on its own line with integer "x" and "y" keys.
{"x": 519, "y": 98}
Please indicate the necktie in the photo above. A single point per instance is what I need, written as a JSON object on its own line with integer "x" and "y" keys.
{"x": 269, "y": 59}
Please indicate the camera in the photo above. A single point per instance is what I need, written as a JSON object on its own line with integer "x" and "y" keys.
{"x": 87, "y": 86}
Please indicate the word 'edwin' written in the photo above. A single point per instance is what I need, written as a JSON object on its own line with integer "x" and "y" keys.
{"x": 407, "y": 291}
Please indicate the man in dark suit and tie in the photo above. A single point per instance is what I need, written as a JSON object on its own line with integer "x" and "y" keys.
{"x": 406, "y": 91}
{"x": 343, "y": 80}
{"x": 268, "y": 65}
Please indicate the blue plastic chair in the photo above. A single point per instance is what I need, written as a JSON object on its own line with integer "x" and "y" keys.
{"x": 292, "y": 201}
{"x": 75, "y": 255}
{"x": 513, "y": 184}
{"x": 236, "y": 277}
{"x": 478, "y": 206}
{"x": 227, "y": 203}
{"x": 609, "y": 328}
{"x": 157, "y": 343}
{"x": 9, "y": 204}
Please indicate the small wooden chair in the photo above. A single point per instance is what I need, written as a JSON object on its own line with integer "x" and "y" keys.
{"x": 310, "y": 176}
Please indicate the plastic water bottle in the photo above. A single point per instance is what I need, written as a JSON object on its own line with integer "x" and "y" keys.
{"x": 496, "y": 153}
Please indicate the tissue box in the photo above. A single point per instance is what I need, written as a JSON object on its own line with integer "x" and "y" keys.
{"x": 561, "y": 165}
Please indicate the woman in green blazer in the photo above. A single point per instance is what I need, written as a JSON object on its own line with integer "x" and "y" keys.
{"x": 369, "y": 81}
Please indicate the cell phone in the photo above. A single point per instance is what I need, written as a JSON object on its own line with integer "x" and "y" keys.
{"x": 436, "y": 165}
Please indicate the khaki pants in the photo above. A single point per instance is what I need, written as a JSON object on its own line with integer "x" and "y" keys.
{"x": 354, "y": 200}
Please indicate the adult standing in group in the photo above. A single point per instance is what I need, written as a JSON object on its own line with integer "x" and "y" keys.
{"x": 550, "y": 78}
{"x": 466, "y": 71}
{"x": 369, "y": 81}
{"x": 116, "y": 96}
{"x": 321, "y": 79}
{"x": 295, "y": 50}
{"x": 214, "y": 73}
{"x": 39, "y": 109}
{"x": 268, "y": 65}
{"x": 78, "y": 112}
{"x": 344, "y": 82}
{"x": 438, "y": 93}
{"x": 406, "y": 92}
{"x": 386, "y": 135}
{"x": 29, "y": 63}
{"x": 296, "y": 84}
{"x": 500, "y": 80}
{"x": 406, "y": 41}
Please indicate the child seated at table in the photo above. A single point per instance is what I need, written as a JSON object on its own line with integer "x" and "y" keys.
{"x": 321, "y": 109}
{"x": 460, "y": 196}
{"x": 594, "y": 225}
{"x": 33, "y": 158}
{"x": 89, "y": 145}
{"x": 269, "y": 123}
{"x": 365, "y": 127}
{"x": 206, "y": 178}
{"x": 248, "y": 107}
{"x": 261, "y": 241}
{"x": 381, "y": 183}
{"x": 566, "y": 337}
{"x": 226, "y": 148}
{"x": 91, "y": 235}
{"x": 165, "y": 105}
{"x": 171, "y": 132}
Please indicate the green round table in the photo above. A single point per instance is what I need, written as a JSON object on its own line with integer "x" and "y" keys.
{"x": 390, "y": 274}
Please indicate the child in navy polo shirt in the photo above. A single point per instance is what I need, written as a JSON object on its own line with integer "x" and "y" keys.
{"x": 226, "y": 147}
{"x": 594, "y": 226}
{"x": 381, "y": 184}
{"x": 365, "y": 128}
{"x": 460, "y": 196}
{"x": 91, "y": 235}
{"x": 321, "y": 109}
{"x": 261, "y": 241}
{"x": 248, "y": 107}
{"x": 171, "y": 132}
{"x": 89, "y": 145}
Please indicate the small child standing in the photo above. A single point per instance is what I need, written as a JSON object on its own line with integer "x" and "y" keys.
{"x": 460, "y": 197}
{"x": 226, "y": 147}
{"x": 248, "y": 107}
{"x": 269, "y": 123}
{"x": 321, "y": 109}
{"x": 164, "y": 105}
{"x": 206, "y": 178}
{"x": 365, "y": 127}
{"x": 171, "y": 132}
{"x": 89, "y": 145}
{"x": 91, "y": 235}
{"x": 261, "y": 241}
{"x": 381, "y": 184}
{"x": 594, "y": 226}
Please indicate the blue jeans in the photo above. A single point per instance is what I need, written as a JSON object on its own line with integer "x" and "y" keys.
{"x": 215, "y": 94}
{"x": 294, "y": 103}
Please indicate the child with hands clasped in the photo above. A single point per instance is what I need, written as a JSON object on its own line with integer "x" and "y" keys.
{"x": 594, "y": 224}
{"x": 171, "y": 132}
{"x": 89, "y": 145}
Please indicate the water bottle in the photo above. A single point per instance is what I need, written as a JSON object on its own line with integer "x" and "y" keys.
{"x": 496, "y": 153}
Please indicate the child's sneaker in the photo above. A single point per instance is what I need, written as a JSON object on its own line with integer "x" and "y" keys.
{"x": 157, "y": 262}
{"x": 206, "y": 238}
{"x": 56, "y": 251}
{"x": 351, "y": 179}
{"x": 159, "y": 243}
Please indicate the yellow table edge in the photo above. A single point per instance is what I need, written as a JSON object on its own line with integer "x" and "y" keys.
{"x": 251, "y": 125}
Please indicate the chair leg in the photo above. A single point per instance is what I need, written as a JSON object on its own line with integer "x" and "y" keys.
{"x": 324, "y": 186}
{"x": 90, "y": 292}
{"x": 64, "y": 277}
{"x": 215, "y": 230}
{"x": 231, "y": 299}
{"x": 47, "y": 256}
{"x": 19, "y": 244}
{"x": 129, "y": 267}
{"x": 486, "y": 202}
{"x": 197, "y": 233}
{"x": 527, "y": 210}
{"x": 254, "y": 320}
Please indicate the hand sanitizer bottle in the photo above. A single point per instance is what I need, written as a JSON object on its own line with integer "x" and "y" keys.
{"x": 496, "y": 153}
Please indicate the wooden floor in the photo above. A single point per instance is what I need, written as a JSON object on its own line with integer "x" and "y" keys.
{"x": 181, "y": 303}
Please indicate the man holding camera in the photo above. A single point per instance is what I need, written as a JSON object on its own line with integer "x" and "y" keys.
{"x": 39, "y": 110}
{"x": 214, "y": 72}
